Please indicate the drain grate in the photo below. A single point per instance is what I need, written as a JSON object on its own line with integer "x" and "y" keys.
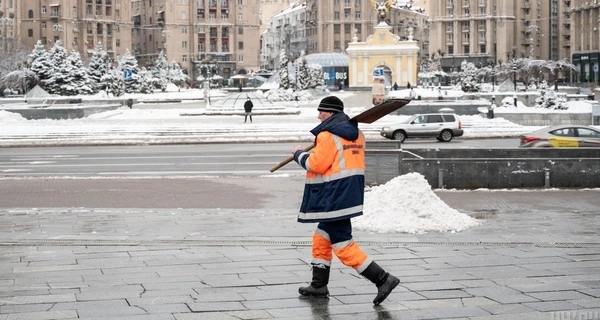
{"x": 92, "y": 242}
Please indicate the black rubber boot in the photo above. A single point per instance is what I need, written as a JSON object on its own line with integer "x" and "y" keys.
{"x": 318, "y": 286}
{"x": 384, "y": 281}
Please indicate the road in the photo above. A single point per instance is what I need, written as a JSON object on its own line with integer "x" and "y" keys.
{"x": 175, "y": 160}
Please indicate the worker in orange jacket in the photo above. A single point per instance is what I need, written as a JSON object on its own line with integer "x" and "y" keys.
{"x": 334, "y": 193}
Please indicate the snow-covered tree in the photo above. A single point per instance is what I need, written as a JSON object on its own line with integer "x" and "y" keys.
{"x": 549, "y": 99}
{"x": 176, "y": 74}
{"x": 112, "y": 83}
{"x": 129, "y": 63}
{"x": 40, "y": 63}
{"x": 146, "y": 83}
{"x": 284, "y": 75}
{"x": 19, "y": 80}
{"x": 315, "y": 74}
{"x": 60, "y": 71}
{"x": 160, "y": 71}
{"x": 13, "y": 55}
{"x": 468, "y": 77}
{"x": 78, "y": 80}
{"x": 98, "y": 66}
{"x": 303, "y": 74}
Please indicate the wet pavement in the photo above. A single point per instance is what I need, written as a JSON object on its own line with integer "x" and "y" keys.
{"x": 536, "y": 256}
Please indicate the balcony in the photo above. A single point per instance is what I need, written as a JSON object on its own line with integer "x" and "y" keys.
{"x": 108, "y": 3}
{"x": 98, "y": 2}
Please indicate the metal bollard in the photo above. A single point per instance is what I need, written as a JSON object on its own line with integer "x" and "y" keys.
{"x": 546, "y": 178}
{"x": 441, "y": 178}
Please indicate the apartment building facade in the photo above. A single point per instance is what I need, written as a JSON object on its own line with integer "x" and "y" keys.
{"x": 221, "y": 33}
{"x": 584, "y": 24}
{"x": 493, "y": 31}
{"x": 319, "y": 26}
{"x": 79, "y": 24}
{"x": 9, "y": 19}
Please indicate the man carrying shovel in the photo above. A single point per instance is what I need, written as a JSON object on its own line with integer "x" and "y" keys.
{"x": 334, "y": 193}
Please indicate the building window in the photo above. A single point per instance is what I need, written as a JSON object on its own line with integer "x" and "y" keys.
{"x": 30, "y": 33}
{"x": 482, "y": 48}
{"x": 118, "y": 28}
{"x": 240, "y": 30}
{"x": 74, "y": 11}
{"x": 467, "y": 49}
{"x": 357, "y": 15}
{"x": 118, "y": 42}
{"x": 336, "y": 15}
{"x": 336, "y": 1}
{"x": 241, "y": 45}
{"x": 184, "y": 44}
{"x": 336, "y": 28}
{"x": 150, "y": 37}
{"x": 240, "y": 17}
{"x": 347, "y": 28}
{"x": 30, "y": 14}
{"x": 358, "y": 28}
{"x": 183, "y": 1}
{"x": 336, "y": 44}
{"x": 117, "y": 13}
{"x": 184, "y": 58}
{"x": 357, "y": 3}
{"x": 184, "y": 30}
{"x": 240, "y": 58}
{"x": 44, "y": 9}
{"x": 183, "y": 15}
{"x": 44, "y": 25}
{"x": 450, "y": 49}
{"x": 240, "y": 3}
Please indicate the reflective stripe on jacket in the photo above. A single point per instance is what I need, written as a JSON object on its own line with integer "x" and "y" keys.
{"x": 335, "y": 178}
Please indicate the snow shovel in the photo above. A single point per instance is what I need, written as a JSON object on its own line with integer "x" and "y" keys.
{"x": 368, "y": 116}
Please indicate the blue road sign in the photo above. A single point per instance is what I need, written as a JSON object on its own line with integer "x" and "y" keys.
{"x": 127, "y": 74}
{"x": 378, "y": 72}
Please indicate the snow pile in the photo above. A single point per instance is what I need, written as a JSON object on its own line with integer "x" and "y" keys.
{"x": 407, "y": 204}
{"x": 8, "y": 117}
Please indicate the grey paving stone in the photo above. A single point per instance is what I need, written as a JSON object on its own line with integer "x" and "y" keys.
{"x": 434, "y": 285}
{"x": 587, "y": 303}
{"x": 444, "y": 294}
{"x": 216, "y": 306}
{"x": 527, "y": 315}
{"x": 558, "y": 295}
{"x": 24, "y": 308}
{"x": 509, "y": 308}
{"x": 169, "y": 308}
{"x": 549, "y": 286}
{"x": 500, "y": 294}
{"x": 50, "y": 315}
{"x": 156, "y": 316}
{"x": 552, "y": 305}
{"x": 39, "y": 299}
{"x": 205, "y": 316}
{"x": 160, "y": 300}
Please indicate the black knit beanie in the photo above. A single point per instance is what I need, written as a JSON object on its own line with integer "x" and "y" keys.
{"x": 331, "y": 104}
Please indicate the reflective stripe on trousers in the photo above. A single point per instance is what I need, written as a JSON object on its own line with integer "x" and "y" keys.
{"x": 336, "y": 237}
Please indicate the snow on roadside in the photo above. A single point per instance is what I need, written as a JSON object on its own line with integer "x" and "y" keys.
{"x": 408, "y": 204}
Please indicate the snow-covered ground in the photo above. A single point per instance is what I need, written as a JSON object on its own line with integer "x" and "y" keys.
{"x": 167, "y": 123}
{"x": 402, "y": 212}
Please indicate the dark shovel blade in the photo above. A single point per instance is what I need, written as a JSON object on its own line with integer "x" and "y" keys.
{"x": 379, "y": 111}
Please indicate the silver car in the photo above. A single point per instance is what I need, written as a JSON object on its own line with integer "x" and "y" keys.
{"x": 442, "y": 126}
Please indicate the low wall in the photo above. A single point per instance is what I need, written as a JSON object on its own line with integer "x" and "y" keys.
{"x": 488, "y": 168}
{"x": 547, "y": 119}
{"x": 57, "y": 113}
{"x": 460, "y": 107}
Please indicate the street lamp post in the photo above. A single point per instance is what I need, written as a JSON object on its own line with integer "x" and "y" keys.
{"x": 514, "y": 69}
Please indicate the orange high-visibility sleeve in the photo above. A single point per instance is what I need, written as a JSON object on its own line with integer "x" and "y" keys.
{"x": 321, "y": 248}
{"x": 351, "y": 255}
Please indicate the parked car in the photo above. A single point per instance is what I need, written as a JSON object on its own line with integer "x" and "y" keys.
{"x": 562, "y": 136}
{"x": 442, "y": 126}
{"x": 587, "y": 91}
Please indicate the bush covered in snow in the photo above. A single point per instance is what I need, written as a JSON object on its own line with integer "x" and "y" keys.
{"x": 549, "y": 99}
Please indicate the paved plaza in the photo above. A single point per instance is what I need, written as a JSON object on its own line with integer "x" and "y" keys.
{"x": 536, "y": 256}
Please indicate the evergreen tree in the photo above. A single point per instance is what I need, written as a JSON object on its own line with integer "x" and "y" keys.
{"x": 59, "y": 71}
{"x": 129, "y": 63}
{"x": 160, "y": 71}
{"x": 176, "y": 74}
{"x": 78, "y": 80}
{"x": 146, "y": 81}
{"x": 98, "y": 66}
{"x": 39, "y": 62}
{"x": 284, "y": 75}
{"x": 315, "y": 72}
{"x": 302, "y": 72}
{"x": 469, "y": 77}
{"x": 112, "y": 83}
{"x": 549, "y": 99}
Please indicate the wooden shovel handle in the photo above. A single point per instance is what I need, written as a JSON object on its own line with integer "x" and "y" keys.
{"x": 290, "y": 159}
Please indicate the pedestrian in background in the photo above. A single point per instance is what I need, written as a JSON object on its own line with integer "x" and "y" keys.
{"x": 334, "y": 193}
{"x": 395, "y": 86}
{"x": 248, "y": 105}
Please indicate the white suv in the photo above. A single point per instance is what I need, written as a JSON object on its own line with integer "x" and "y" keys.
{"x": 442, "y": 126}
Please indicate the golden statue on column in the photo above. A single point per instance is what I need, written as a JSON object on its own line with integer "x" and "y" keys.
{"x": 382, "y": 8}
